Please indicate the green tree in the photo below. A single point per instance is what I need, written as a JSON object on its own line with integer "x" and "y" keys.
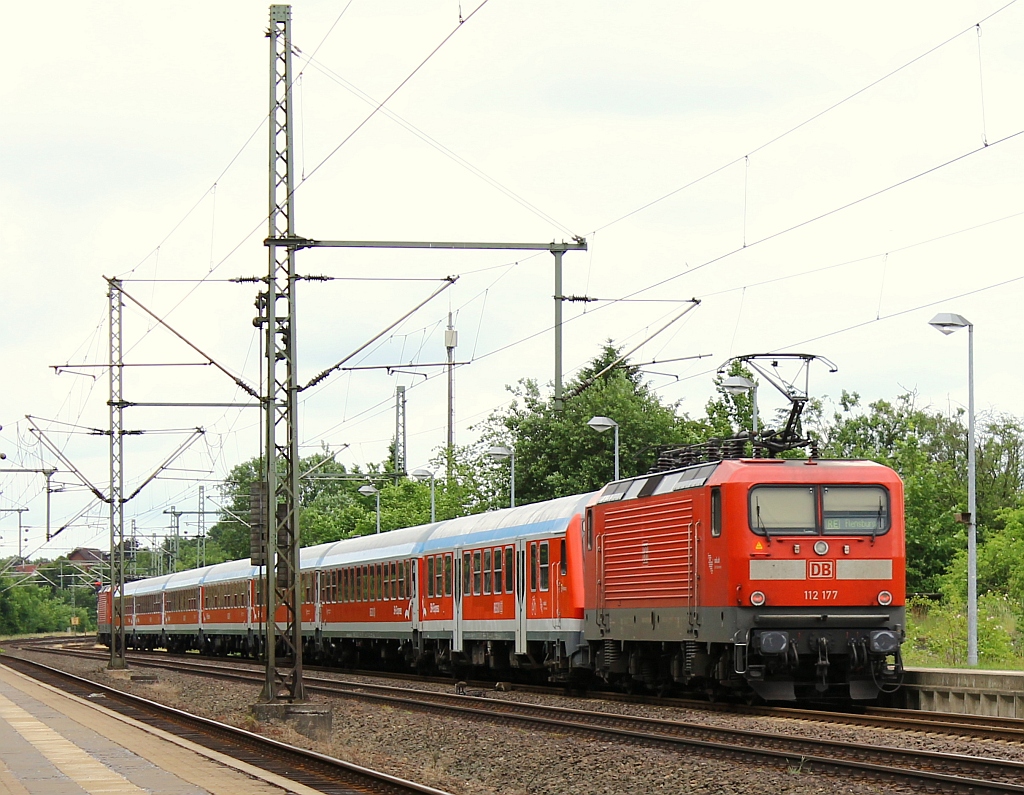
{"x": 558, "y": 454}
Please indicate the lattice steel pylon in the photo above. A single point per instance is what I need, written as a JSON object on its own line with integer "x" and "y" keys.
{"x": 284, "y": 595}
{"x": 116, "y": 495}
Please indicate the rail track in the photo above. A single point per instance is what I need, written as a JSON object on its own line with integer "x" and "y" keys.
{"x": 955, "y": 725}
{"x": 927, "y": 769}
{"x": 321, "y": 772}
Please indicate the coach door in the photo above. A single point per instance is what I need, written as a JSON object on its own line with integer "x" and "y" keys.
{"x": 457, "y": 593}
{"x": 414, "y": 601}
{"x": 521, "y": 601}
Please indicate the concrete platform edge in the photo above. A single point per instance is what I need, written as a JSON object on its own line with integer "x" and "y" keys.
{"x": 215, "y": 756}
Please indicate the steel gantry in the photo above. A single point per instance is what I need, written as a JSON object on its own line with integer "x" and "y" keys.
{"x": 284, "y": 672}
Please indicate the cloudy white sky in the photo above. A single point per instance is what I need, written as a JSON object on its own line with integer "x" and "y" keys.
{"x": 827, "y": 188}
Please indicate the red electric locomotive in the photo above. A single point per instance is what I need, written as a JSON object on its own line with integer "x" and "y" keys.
{"x": 784, "y": 577}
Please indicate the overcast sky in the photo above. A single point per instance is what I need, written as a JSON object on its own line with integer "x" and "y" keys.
{"x": 824, "y": 181}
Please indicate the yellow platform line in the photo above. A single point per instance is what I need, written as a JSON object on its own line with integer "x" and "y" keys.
{"x": 89, "y": 773}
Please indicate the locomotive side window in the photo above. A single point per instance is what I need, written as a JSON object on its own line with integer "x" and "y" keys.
{"x": 533, "y": 566}
{"x": 777, "y": 509}
{"x": 716, "y": 512}
{"x": 448, "y": 575}
{"x": 430, "y": 576}
{"x": 477, "y": 578}
{"x": 488, "y": 573}
{"x": 563, "y": 567}
{"x": 855, "y": 509}
{"x": 510, "y": 557}
{"x": 545, "y": 576}
{"x": 497, "y": 570}
{"x": 590, "y": 528}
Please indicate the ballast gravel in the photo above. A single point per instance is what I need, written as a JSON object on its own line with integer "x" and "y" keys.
{"x": 485, "y": 758}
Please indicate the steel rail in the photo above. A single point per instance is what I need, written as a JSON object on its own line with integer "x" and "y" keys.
{"x": 948, "y": 772}
{"x": 319, "y": 771}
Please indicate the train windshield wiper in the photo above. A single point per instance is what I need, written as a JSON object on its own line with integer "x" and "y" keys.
{"x": 878, "y": 523}
{"x": 760, "y": 524}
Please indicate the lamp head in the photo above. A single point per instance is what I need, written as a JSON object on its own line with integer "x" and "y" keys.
{"x": 498, "y": 453}
{"x": 737, "y": 384}
{"x": 422, "y": 474}
{"x": 947, "y": 322}
{"x": 369, "y": 490}
{"x": 602, "y": 424}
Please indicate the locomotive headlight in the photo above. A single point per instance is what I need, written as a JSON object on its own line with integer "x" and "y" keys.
{"x": 757, "y": 598}
{"x": 821, "y": 547}
{"x": 884, "y": 598}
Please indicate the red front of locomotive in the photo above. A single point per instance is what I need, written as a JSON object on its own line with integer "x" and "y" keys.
{"x": 816, "y": 560}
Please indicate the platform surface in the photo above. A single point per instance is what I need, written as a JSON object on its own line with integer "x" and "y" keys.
{"x": 55, "y": 744}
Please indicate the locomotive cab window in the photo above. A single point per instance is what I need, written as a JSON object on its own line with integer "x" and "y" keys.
{"x": 855, "y": 509}
{"x": 817, "y": 510}
{"x": 782, "y": 509}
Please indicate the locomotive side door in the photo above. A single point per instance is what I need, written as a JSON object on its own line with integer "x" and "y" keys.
{"x": 520, "y": 600}
{"x": 457, "y": 590}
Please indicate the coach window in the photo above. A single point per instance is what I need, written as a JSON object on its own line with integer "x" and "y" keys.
{"x": 359, "y": 585}
{"x": 467, "y": 575}
{"x": 448, "y": 575}
{"x": 533, "y": 566}
{"x": 394, "y": 581}
{"x": 488, "y": 574}
{"x": 402, "y": 593}
{"x": 439, "y": 575}
{"x": 544, "y": 566}
{"x": 380, "y": 583}
{"x": 477, "y": 578}
{"x": 716, "y": 512}
{"x": 510, "y": 557}
{"x": 497, "y": 570}
{"x": 430, "y": 576}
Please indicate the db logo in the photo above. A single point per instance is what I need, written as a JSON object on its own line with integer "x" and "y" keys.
{"x": 821, "y": 569}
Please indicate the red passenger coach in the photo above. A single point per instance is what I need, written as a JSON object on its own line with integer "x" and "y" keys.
{"x": 786, "y": 576}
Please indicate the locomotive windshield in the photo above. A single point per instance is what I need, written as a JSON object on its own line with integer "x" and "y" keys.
{"x": 817, "y": 510}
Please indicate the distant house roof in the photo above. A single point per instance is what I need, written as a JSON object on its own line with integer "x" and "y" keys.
{"x": 88, "y": 555}
{"x": 26, "y": 568}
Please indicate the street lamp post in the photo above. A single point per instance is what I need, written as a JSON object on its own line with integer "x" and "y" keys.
{"x": 369, "y": 489}
{"x": 739, "y": 385}
{"x": 947, "y": 323}
{"x": 423, "y": 474}
{"x": 602, "y": 424}
{"x": 499, "y": 454}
